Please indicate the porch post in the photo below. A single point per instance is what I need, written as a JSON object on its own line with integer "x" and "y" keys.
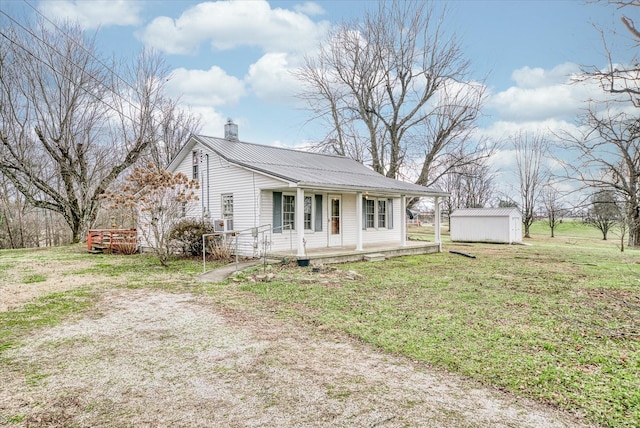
{"x": 403, "y": 221}
{"x": 437, "y": 223}
{"x": 300, "y": 221}
{"x": 359, "y": 221}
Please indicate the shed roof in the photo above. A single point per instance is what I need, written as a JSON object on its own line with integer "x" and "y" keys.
{"x": 310, "y": 169}
{"x": 485, "y": 212}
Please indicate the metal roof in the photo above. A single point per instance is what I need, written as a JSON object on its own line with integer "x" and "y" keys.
{"x": 485, "y": 212}
{"x": 310, "y": 169}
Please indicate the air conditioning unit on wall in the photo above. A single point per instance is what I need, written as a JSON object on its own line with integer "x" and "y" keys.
{"x": 221, "y": 225}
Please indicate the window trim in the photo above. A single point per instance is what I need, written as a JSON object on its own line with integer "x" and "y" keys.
{"x": 382, "y": 201}
{"x": 292, "y": 213}
{"x": 195, "y": 166}
{"x": 372, "y": 220}
{"x": 279, "y": 212}
{"x": 311, "y": 213}
{"x": 224, "y": 213}
{"x": 370, "y": 215}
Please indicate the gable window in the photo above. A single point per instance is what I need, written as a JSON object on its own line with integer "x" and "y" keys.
{"x": 370, "y": 213}
{"x": 195, "y": 162}
{"x": 288, "y": 212}
{"x": 382, "y": 213}
{"x": 227, "y": 209}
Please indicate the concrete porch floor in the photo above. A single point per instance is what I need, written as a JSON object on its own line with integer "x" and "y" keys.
{"x": 345, "y": 254}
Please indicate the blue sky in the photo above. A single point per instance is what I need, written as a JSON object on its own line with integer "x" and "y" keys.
{"x": 231, "y": 59}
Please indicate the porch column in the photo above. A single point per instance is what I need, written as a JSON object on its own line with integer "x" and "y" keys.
{"x": 437, "y": 223}
{"x": 403, "y": 221}
{"x": 300, "y": 221}
{"x": 359, "y": 221}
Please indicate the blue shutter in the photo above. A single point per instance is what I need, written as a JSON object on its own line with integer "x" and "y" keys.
{"x": 318, "y": 225}
{"x": 390, "y": 214}
{"x": 277, "y": 212}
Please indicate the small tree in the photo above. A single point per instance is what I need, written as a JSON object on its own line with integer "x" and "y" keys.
{"x": 531, "y": 152}
{"x": 604, "y": 213}
{"x": 159, "y": 197}
{"x": 551, "y": 201}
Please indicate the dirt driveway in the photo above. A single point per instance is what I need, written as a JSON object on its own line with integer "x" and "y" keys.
{"x": 157, "y": 359}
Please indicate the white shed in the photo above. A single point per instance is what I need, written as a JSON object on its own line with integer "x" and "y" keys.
{"x": 501, "y": 225}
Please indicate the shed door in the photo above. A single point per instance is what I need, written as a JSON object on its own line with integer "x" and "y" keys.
{"x": 516, "y": 230}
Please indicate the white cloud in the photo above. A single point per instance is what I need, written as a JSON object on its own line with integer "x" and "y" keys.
{"x": 270, "y": 78}
{"x": 211, "y": 87}
{"x": 95, "y": 13}
{"x": 542, "y": 94}
{"x": 212, "y": 121}
{"x": 501, "y": 130}
{"x": 232, "y": 24}
{"x": 530, "y": 78}
{"x": 309, "y": 8}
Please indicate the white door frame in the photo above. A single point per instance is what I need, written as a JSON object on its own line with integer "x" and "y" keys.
{"x": 334, "y": 229}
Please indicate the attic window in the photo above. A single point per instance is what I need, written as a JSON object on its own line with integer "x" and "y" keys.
{"x": 196, "y": 162}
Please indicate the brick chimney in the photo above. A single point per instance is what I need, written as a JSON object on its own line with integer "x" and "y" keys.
{"x": 230, "y": 131}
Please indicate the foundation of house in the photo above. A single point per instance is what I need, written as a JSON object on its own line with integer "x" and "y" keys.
{"x": 331, "y": 255}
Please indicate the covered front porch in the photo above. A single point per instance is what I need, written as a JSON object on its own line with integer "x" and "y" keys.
{"x": 356, "y": 223}
{"x": 343, "y": 254}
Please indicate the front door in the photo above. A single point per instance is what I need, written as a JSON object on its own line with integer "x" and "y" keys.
{"x": 335, "y": 224}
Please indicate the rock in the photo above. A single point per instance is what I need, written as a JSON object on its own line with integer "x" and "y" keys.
{"x": 352, "y": 274}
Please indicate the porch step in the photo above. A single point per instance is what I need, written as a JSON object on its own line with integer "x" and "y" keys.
{"x": 375, "y": 257}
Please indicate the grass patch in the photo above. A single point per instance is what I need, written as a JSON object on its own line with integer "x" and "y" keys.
{"x": 35, "y": 277}
{"x": 44, "y": 312}
{"x": 556, "y": 321}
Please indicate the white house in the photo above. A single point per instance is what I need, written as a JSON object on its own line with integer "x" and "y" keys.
{"x": 304, "y": 200}
{"x": 501, "y": 225}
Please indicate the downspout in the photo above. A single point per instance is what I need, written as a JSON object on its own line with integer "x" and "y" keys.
{"x": 201, "y": 180}
{"x": 208, "y": 190}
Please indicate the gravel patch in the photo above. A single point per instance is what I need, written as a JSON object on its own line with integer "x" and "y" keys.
{"x": 152, "y": 358}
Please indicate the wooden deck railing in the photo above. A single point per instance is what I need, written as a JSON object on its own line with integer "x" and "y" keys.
{"x": 124, "y": 241}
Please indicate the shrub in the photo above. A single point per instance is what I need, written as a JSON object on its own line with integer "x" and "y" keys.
{"x": 187, "y": 235}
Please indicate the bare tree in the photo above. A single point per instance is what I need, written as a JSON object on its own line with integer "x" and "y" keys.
{"x": 552, "y": 205}
{"x": 531, "y": 151}
{"x": 609, "y": 149}
{"x": 470, "y": 185}
{"x": 604, "y": 213}
{"x": 620, "y": 77}
{"x": 395, "y": 92}
{"x": 608, "y": 157}
{"x": 70, "y": 124}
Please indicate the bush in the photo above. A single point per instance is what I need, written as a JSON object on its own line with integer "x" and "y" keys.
{"x": 187, "y": 235}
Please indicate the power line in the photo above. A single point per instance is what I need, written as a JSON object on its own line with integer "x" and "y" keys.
{"x": 63, "y": 75}
{"x": 79, "y": 45}
{"x": 83, "y": 70}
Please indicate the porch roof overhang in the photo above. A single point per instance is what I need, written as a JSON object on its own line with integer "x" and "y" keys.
{"x": 372, "y": 190}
